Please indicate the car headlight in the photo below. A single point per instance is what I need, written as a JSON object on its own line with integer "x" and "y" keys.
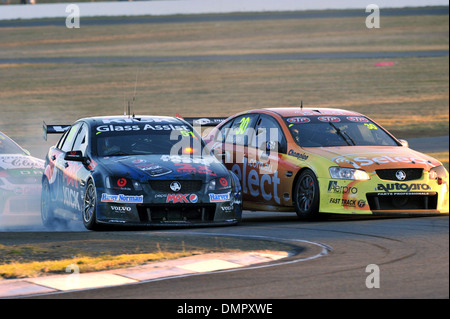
{"x": 348, "y": 173}
{"x": 122, "y": 183}
{"x": 219, "y": 183}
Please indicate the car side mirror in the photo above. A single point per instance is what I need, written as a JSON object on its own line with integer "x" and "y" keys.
{"x": 404, "y": 143}
{"x": 75, "y": 156}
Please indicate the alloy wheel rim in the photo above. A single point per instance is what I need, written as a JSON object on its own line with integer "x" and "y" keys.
{"x": 89, "y": 203}
{"x": 305, "y": 195}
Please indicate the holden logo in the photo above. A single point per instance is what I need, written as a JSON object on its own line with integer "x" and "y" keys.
{"x": 401, "y": 175}
{"x": 175, "y": 186}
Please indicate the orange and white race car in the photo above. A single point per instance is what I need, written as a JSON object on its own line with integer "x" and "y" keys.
{"x": 315, "y": 161}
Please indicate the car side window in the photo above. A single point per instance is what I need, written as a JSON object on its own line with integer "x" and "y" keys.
{"x": 222, "y": 134}
{"x": 81, "y": 140}
{"x": 241, "y": 131}
{"x": 62, "y": 139}
{"x": 268, "y": 130}
{"x": 68, "y": 142}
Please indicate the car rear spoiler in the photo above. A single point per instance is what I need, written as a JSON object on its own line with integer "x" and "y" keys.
{"x": 53, "y": 129}
{"x": 203, "y": 121}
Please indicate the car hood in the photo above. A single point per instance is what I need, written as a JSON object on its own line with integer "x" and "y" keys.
{"x": 146, "y": 167}
{"x": 371, "y": 158}
{"x": 18, "y": 161}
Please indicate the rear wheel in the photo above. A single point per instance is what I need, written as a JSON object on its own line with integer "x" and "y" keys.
{"x": 89, "y": 207}
{"x": 306, "y": 195}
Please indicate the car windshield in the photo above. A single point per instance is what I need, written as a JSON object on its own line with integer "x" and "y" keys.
{"x": 7, "y": 146}
{"x": 181, "y": 141}
{"x": 325, "y": 131}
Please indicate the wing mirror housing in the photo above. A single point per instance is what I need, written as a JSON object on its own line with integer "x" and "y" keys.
{"x": 75, "y": 156}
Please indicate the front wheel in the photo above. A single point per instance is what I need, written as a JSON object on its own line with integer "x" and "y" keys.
{"x": 306, "y": 195}
{"x": 89, "y": 207}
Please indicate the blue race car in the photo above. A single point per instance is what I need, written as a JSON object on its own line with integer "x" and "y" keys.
{"x": 136, "y": 171}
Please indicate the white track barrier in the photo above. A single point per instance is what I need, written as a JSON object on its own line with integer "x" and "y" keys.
{"x": 176, "y": 7}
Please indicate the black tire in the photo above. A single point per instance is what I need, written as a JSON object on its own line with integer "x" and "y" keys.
{"x": 306, "y": 195}
{"x": 89, "y": 208}
{"x": 47, "y": 215}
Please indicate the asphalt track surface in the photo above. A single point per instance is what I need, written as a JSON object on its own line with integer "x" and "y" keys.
{"x": 411, "y": 253}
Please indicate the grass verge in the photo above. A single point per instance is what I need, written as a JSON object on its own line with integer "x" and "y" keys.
{"x": 84, "y": 264}
{"x": 41, "y": 254}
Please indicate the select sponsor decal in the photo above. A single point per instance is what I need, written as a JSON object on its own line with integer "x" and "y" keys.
{"x": 215, "y": 198}
{"x": 403, "y": 187}
{"x": 133, "y": 199}
{"x": 182, "y": 198}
